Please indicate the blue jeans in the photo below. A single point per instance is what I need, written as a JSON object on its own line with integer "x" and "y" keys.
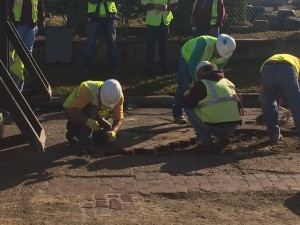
{"x": 94, "y": 28}
{"x": 183, "y": 80}
{"x": 204, "y": 131}
{"x": 161, "y": 34}
{"x": 85, "y": 133}
{"x": 27, "y": 34}
{"x": 280, "y": 78}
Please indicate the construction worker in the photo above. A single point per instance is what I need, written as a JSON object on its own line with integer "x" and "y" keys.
{"x": 101, "y": 15}
{"x": 207, "y": 17}
{"x": 158, "y": 19}
{"x": 212, "y": 107}
{"x": 280, "y": 74}
{"x": 87, "y": 109}
{"x": 203, "y": 48}
{"x": 29, "y": 17}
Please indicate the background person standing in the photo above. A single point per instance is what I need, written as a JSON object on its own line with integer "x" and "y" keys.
{"x": 207, "y": 17}
{"x": 158, "y": 19}
{"x": 101, "y": 16}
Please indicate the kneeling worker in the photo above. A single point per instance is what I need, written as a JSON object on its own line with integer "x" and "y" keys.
{"x": 212, "y": 107}
{"x": 87, "y": 109}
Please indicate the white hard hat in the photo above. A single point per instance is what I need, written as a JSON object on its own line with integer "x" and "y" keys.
{"x": 225, "y": 45}
{"x": 205, "y": 63}
{"x": 110, "y": 93}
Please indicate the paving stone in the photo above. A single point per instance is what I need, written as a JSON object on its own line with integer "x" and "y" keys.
{"x": 273, "y": 177}
{"x": 218, "y": 186}
{"x": 280, "y": 185}
{"x": 113, "y": 196}
{"x": 130, "y": 187}
{"x": 100, "y": 196}
{"x": 53, "y": 190}
{"x": 115, "y": 204}
{"x": 260, "y": 176}
{"x": 129, "y": 180}
{"x": 79, "y": 189}
{"x": 117, "y": 185}
{"x": 101, "y": 203}
{"x": 140, "y": 176}
{"x": 250, "y": 178}
{"x": 90, "y": 212}
{"x": 206, "y": 186}
{"x": 89, "y": 197}
{"x": 284, "y": 176}
{"x": 201, "y": 179}
{"x": 181, "y": 188}
{"x": 54, "y": 181}
{"x": 163, "y": 176}
{"x": 168, "y": 186}
{"x": 265, "y": 183}
{"x": 215, "y": 179}
{"x": 75, "y": 209}
{"x": 125, "y": 197}
{"x": 296, "y": 176}
{"x": 103, "y": 188}
{"x": 178, "y": 179}
{"x": 290, "y": 182}
{"x": 105, "y": 181}
{"x": 88, "y": 205}
{"x": 144, "y": 184}
{"x": 255, "y": 186}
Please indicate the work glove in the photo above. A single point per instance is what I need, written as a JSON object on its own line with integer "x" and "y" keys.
{"x": 93, "y": 124}
{"x": 111, "y": 136}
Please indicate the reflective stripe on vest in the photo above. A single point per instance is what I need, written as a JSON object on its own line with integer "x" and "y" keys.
{"x": 110, "y": 5}
{"x": 93, "y": 86}
{"x": 16, "y": 65}
{"x": 17, "y": 10}
{"x": 214, "y": 12}
{"x": 220, "y": 104}
{"x": 295, "y": 62}
{"x": 214, "y": 96}
{"x": 155, "y": 16}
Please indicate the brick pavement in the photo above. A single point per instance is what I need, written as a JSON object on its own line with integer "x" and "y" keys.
{"x": 118, "y": 192}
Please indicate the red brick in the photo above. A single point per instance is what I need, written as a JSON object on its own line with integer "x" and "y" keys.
{"x": 115, "y": 204}
{"x": 142, "y": 184}
{"x": 88, "y": 205}
{"x": 75, "y": 209}
{"x": 79, "y": 189}
{"x": 103, "y": 188}
{"x": 140, "y": 176}
{"x": 117, "y": 185}
{"x": 178, "y": 179}
{"x": 130, "y": 187}
{"x": 202, "y": 179}
{"x": 218, "y": 186}
{"x": 163, "y": 176}
{"x": 255, "y": 186}
{"x": 290, "y": 182}
{"x": 100, "y": 196}
{"x": 215, "y": 179}
{"x": 90, "y": 212}
{"x": 125, "y": 197}
{"x": 101, "y": 203}
{"x": 280, "y": 185}
{"x": 181, "y": 188}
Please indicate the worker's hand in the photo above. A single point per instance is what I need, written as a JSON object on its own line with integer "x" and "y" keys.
{"x": 93, "y": 124}
{"x": 111, "y": 136}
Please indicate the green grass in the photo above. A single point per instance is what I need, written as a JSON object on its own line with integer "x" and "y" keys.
{"x": 63, "y": 78}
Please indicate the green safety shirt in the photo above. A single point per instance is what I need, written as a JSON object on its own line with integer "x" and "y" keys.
{"x": 214, "y": 12}
{"x": 220, "y": 104}
{"x": 111, "y": 5}
{"x": 17, "y": 10}
{"x": 154, "y": 17}
{"x": 93, "y": 86}
{"x": 16, "y": 65}
{"x": 201, "y": 49}
{"x": 294, "y": 61}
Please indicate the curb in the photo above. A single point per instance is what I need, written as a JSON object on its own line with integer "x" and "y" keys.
{"x": 250, "y": 100}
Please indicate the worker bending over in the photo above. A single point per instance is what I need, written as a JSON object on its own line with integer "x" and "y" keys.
{"x": 212, "y": 107}
{"x": 87, "y": 109}
{"x": 280, "y": 75}
{"x": 202, "y": 48}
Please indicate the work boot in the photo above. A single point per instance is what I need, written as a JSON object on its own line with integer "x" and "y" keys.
{"x": 180, "y": 120}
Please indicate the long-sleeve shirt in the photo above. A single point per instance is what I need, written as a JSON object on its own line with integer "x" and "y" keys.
{"x": 198, "y": 53}
{"x": 26, "y": 16}
{"x": 203, "y": 12}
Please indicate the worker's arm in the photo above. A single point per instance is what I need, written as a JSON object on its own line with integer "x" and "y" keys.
{"x": 76, "y": 115}
{"x": 197, "y": 93}
{"x": 196, "y": 56}
{"x": 118, "y": 115}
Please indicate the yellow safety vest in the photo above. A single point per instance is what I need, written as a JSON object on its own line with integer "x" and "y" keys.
{"x": 155, "y": 16}
{"x": 93, "y": 86}
{"x": 214, "y": 12}
{"x": 189, "y": 47}
{"x": 220, "y": 104}
{"x": 295, "y": 62}
{"x": 17, "y": 10}
{"x": 102, "y": 13}
{"x": 15, "y": 65}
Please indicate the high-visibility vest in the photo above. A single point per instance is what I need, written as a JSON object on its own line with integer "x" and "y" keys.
{"x": 220, "y": 104}
{"x": 214, "y": 12}
{"x": 155, "y": 16}
{"x": 93, "y": 86}
{"x": 189, "y": 47}
{"x": 294, "y": 61}
{"x": 111, "y": 5}
{"x": 16, "y": 66}
{"x": 17, "y": 10}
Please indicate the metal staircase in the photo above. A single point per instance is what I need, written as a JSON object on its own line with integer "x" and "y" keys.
{"x": 11, "y": 98}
